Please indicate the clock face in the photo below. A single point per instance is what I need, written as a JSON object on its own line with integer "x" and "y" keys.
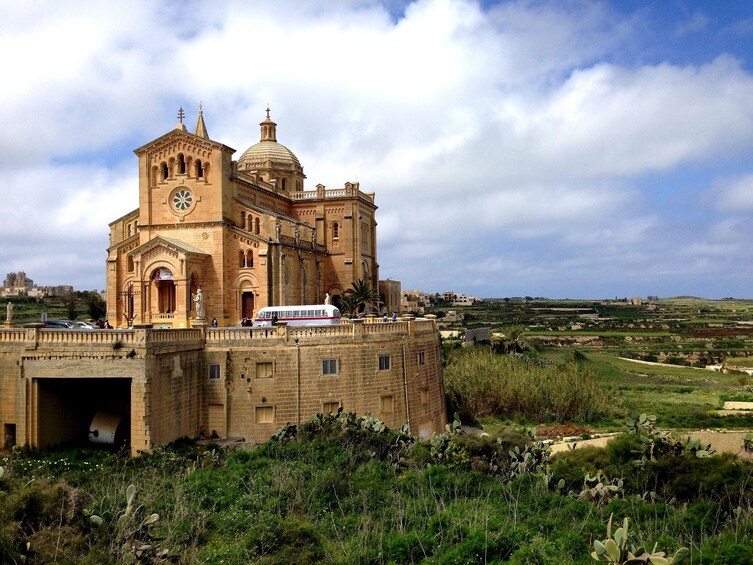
{"x": 182, "y": 200}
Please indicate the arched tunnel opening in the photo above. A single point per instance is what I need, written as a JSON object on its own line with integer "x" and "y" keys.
{"x": 84, "y": 411}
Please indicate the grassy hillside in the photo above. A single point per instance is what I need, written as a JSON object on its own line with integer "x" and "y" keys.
{"x": 83, "y": 305}
{"x": 345, "y": 490}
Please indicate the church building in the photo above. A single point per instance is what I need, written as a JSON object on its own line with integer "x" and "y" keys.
{"x": 242, "y": 235}
{"x": 245, "y": 232}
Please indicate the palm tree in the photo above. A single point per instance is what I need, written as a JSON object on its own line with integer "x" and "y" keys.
{"x": 359, "y": 298}
{"x": 348, "y": 304}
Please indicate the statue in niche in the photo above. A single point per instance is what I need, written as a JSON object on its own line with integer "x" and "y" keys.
{"x": 198, "y": 299}
{"x": 327, "y": 299}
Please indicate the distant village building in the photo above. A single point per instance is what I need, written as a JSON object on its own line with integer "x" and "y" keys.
{"x": 477, "y": 335}
{"x": 390, "y": 294}
{"x": 415, "y": 301}
{"x": 17, "y": 280}
{"x": 464, "y": 300}
{"x": 246, "y": 234}
{"x": 458, "y": 299}
{"x": 451, "y": 316}
{"x": 18, "y": 284}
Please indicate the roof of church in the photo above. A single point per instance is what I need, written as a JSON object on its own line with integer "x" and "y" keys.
{"x": 200, "y": 133}
{"x": 268, "y": 153}
{"x": 276, "y": 154}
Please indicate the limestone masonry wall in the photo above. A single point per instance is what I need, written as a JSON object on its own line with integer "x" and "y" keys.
{"x": 240, "y": 383}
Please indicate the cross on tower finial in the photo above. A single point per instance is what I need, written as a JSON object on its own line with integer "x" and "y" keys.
{"x": 267, "y": 110}
{"x": 201, "y": 107}
{"x": 181, "y": 114}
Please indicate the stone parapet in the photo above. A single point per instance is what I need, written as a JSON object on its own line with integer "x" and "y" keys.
{"x": 348, "y": 330}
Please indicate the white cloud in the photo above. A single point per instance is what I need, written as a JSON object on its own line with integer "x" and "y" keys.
{"x": 505, "y": 145}
{"x": 734, "y": 195}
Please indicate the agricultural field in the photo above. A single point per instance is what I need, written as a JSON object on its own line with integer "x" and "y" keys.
{"x": 680, "y": 358}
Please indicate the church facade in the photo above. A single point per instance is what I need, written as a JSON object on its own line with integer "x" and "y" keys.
{"x": 245, "y": 232}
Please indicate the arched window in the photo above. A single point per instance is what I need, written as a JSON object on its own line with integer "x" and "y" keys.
{"x": 256, "y": 226}
{"x": 284, "y": 184}
{"x": 206, "y": 172}
{"x": 250, "y": 259}
{"x": 335, "y": 230}
{"x": 165, "y": 171}
{"x": 129, "y": 264}
{"x": 243, "y": 220}
{"x": 250, "y": 222}
{"x": 241, "y": 259}
{"x": 199, "y": 169}
{"x": 171, "y": 166}
{"x": 130, "y": 230}
{"x": 155, "y": 175}
{"x": 181, "y": 164}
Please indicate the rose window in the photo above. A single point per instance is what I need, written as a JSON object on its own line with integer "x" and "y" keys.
{"x": 182, "y": 200}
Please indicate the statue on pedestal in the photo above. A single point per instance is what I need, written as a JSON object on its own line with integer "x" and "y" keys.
{"x": 9, "y": 313}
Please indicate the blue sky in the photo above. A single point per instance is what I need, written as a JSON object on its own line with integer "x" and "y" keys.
{"x": 544, "y": 148}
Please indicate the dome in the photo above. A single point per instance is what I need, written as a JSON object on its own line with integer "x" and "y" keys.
{"x": 268, "y": 155}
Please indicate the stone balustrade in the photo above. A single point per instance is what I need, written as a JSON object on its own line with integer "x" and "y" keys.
{"x": 349, "y": 329}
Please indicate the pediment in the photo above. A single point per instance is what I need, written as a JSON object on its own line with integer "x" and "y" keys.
{"x": 185, "y": 138}
{"x": 167, "y": 247}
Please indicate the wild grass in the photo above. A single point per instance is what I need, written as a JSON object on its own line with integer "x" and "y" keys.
{"x": 481, "y": 383}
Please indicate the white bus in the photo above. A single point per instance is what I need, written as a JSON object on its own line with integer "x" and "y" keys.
{"x": 303, "y": 315}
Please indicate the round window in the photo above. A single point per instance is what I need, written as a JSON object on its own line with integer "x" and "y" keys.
{"x": 182, "y": 200}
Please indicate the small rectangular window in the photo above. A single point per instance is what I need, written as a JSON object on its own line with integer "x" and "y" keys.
{"x": 384, "y": 362}
{"x": 264, "y": 415}
{"x": 387, "y": 404}
{"x": 421, "y": 357}
{"x": 332, "y": 407}
{"x": 329, "y": 366}
{"x": 264, "y": 370}
{"x": 214, "y": 372}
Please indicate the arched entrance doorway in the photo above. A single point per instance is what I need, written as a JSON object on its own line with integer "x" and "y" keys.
{"x": 247, "y": 304}
{"x": 163, "y": 292}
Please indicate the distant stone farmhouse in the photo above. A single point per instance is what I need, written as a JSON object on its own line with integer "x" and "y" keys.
{"x": 248, "y": 235}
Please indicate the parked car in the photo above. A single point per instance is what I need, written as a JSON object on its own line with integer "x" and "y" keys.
{"x": 59, "y": 324}
{"x": 84, "y": 326}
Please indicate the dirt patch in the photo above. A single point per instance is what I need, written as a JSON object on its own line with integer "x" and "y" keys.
{"x": 730, "y": 405}
{"x": 722, "y": 442}
{"x": 560, "y": 431}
